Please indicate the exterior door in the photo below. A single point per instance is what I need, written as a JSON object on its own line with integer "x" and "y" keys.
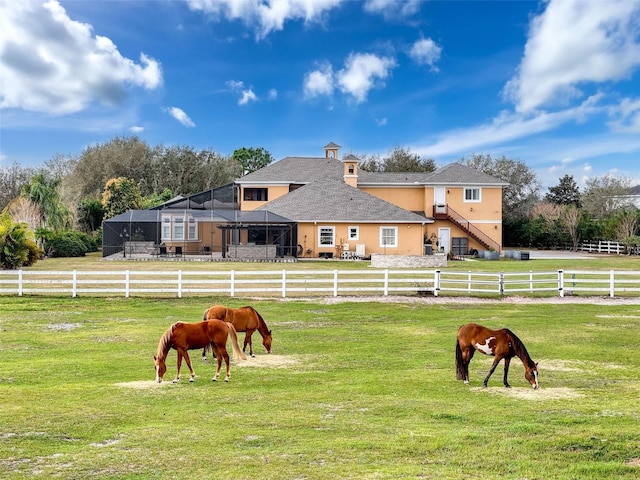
{"x": 444, "y": 240}
{"x": 439, "y": 198}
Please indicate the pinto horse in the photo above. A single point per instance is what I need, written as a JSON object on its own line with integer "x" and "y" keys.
{"x": 244, "y": 319}
{"x": 188, "y": 336}
{"x": 499, "y": 343}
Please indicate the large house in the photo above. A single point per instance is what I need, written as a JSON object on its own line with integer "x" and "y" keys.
{"x": 328, "y": 207}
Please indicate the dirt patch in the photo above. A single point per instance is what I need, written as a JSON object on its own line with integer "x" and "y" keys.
{"x": 140, "y": 384}
{"x": 63, "y": 327}
{"x": 634, "y": 462}
{"x": 269, "y": 361}
{"x": 531, "y": 394}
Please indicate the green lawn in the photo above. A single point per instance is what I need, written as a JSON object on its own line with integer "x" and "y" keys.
{"x": 352, "y": 391}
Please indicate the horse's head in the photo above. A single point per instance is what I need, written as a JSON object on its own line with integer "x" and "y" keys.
{"x": 160, "y": 367}
{"x": 266, "y": 341}
{"x": 531, "y": 374}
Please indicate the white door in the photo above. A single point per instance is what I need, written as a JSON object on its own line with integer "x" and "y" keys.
{"x": 438, "y": 196}
{"x": 444, "y": 240}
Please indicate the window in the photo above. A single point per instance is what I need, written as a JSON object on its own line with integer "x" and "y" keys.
{"x": 388, "y": 236}
{"x": 351, "y": 170}
{"x": 326, "y": 236}
{"x": 256, "y": 194}
{"x": 354, "y": 233}
{"x": 166, "y": 228}
{"x": 178, "y": 228}
{"x": 193, "y": 229}
{"x": 472, "y": 194}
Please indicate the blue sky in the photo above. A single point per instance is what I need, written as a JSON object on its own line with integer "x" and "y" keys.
{"x": 555, "y": 84}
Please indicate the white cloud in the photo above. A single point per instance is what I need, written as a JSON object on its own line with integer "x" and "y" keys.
{"x": 273, "y": 94}
{"x": 247, "y": 96}
{"x": 266, "y": 16}
{"x": 136, "y": 129}
{"x": 362, "y": 72}
{"x": 573, "y": 43}
{"x": 53, "y": 64}
{"x": 392, "y": 8}
{"x": 425, "y": 52}
{"x": 626, "y": 116}
{"x": 181, "y": 116}
{"x": 319, "y": 82}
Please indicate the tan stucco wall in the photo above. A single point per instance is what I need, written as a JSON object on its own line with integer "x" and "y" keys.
{"x": 411, "y": 199}
{"x": 409, "y": 239}
{"x": 273, "y": 193}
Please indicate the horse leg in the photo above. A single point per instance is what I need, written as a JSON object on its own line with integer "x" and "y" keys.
{"x": 188, "y": 360}
{"x": 507, "y": 360}
{"x": 179, "y": 364}
{"x": 493, "y": 367}
{"x": 468, "y": 355}
{"x": 225, "y": 355}
{"x": 219, "y": 366}
{"x": 247, "y": 340}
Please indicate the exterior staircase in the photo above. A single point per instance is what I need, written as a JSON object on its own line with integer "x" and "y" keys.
{"x": 444, "y": 212}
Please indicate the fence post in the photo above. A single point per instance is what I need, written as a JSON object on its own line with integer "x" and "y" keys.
{"x": 335, "y": 283}
{"x": 20, "y": 287}
{"x": 612, "y": 284}
{"x": 386, "y": 282}
{"x": 501, "y": 283}
{"x": 179, "y": 283}
{"x": 561, "y": 283}
{"x": 232, "y": 284}
{"x": 127, "y": 284}
{"x": 436, "y": 283}
{"x": 74, "y": 284}
{"x": 284, "y": 283}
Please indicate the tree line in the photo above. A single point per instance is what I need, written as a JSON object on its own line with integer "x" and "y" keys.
{"x": 68, "y": 197}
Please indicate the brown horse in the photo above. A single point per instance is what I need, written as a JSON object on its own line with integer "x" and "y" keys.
{"x": 499, "y": 343}
{"x": 187, "y": 336}
{"x": 244, "y": 319}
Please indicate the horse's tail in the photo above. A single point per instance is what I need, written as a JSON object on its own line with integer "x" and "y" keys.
{"x": 237, "y": 353}
{"x": 460, "y": 373}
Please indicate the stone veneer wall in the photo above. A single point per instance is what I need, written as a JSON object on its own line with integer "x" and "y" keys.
{"x": 246, "y": 252}
{"x": 401, "y": 261}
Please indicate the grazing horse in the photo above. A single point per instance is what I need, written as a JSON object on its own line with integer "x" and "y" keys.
{"x": 188, "y": 336}
{"x": 499, "y": 343}
{"x": 244, "y": 319}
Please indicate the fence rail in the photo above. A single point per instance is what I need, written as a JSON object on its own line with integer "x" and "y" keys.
{"x": 303, "y": 283}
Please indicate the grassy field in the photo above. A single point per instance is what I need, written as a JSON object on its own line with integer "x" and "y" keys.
{"x": 352, "y": 391}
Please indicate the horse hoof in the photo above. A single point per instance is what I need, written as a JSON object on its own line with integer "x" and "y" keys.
{"x": 226, "y": 379}
{"x": 191, "y": 380}
{"x": 253, "y": 355}
{"x": 175, "y": 380}
{"x": 214, "y": 379}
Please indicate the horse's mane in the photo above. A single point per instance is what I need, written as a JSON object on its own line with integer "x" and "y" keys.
{"x": 520, "y": 349}
{"x": 261, "y": 321}
{"x": 165, "y": 342}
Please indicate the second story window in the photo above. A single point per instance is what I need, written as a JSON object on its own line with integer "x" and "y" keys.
{"x": 256, "y": 194}
{"x": 472, "y": 194}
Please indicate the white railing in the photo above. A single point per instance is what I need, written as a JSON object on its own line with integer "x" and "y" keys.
{"x": 304, "y": 283}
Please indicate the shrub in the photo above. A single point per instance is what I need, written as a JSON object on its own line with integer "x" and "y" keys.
{"x": 67, "y": 244}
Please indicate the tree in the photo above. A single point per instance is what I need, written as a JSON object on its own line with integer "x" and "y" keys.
{"x": 251, "y": 159}
{"x": 523, "y": 190}
{"x": 90, "y": 215}
{"x": 120, "y": 194}
{"x": 12, "y": 180}
{"x": 43, "y": 190}
{"x": 17, "y": 247}
{"x": 128, "y": 157}
{"x": 565, "y": 193}
{"x": 399, "y": 160}
{"x": 571, "y": 218}
{"x": 603, "y": 196}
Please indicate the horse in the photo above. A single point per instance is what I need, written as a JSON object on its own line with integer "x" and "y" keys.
{"x": 244, "y": 319}
{"x": 188, "y": 336}
{"x": 499, "y": 343}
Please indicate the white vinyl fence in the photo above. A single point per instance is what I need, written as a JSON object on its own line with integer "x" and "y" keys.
{"x": 301, "y": 283}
